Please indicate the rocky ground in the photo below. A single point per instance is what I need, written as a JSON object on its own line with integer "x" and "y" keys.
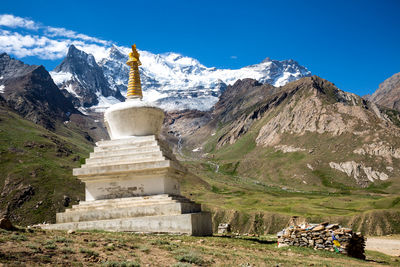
{"x": 38, "y": 247}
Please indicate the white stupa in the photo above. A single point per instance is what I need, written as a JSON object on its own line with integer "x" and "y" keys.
{"x": 131, "y": 181}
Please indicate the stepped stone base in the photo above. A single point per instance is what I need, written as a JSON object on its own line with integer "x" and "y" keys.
{"x": 157, "y": 205}
{"x": 151, "y": 214}
{"x": 197, "y": 224}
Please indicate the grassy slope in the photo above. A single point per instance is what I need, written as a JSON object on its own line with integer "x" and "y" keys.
{"x": 31, "y": 155}
{"x": 126, "y": 249}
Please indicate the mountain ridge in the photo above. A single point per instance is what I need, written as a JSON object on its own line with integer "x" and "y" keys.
{"x": 306, "y": 149}
{"x": 30, "y": 90}
{"x": 175, "y": 81}
{"x": 309, "y": 106}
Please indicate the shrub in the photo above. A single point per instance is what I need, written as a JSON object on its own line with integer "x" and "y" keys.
{"x": 88, "y": 252}
{"x": 182, "y": 264}
{"x": 17, "y": 237}
{"x": 191, "y": 257}
{"x": 61, "y": 239}
{"x": 50, "y": 246}
{"x": 121, "y": 264}
{"x": 67, "y": 250}
{"x": 159, "y": 242}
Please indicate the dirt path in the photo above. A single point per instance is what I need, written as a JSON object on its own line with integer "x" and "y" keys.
{"x": 384, "y": 245}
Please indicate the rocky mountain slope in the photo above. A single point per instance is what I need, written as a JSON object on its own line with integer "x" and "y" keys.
{"x": 306, "y": 149}
{"x": 388, "y": 93}
{"x": 82, "y": 79}
{"x": 308, "y": 107}
{"x": 172, "y": 80}
{"x": 30, "y": 91}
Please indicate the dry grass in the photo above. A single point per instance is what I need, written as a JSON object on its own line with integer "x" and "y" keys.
{"x": 126, "y": 249}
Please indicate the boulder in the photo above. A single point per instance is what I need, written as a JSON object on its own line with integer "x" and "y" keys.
{"x": 6, "y": 224}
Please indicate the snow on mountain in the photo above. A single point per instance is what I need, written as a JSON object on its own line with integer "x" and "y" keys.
{"x": 80, "y": 77}
{"x": 174, "y": 81}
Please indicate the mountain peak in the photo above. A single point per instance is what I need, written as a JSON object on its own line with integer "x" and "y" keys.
{"x": 87, "y": 78}
{"x": 116, "y": 53}
{"x": 4, "y": 55}
{"x": 30, "y": 91}
{"x": 11, "y": 68}
{"x": 175, "y": 81}
{"x": 267, "y": 59}
{"x": 75, "y": 53}
{"x": 72, "y": 48}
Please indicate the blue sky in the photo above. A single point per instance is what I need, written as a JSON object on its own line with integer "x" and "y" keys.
{"x": 354, "y": 44}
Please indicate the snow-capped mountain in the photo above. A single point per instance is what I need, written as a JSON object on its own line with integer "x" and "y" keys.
{"x": 178, "y": 82}
{"x": 82, "y": 79}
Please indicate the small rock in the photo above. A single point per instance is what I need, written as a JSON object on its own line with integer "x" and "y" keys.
{"x": 38, "y": 204}
{"x": 6, "y": 224}
{"x": 70, "y": 232}
{"x": 282, "y": 245}
{"x": 332, "y": 226}
{"x": 318, "y": 228}
{"x": 66, "y": 201}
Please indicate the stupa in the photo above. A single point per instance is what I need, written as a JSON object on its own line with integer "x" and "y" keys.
{"x": 132, "y": 180}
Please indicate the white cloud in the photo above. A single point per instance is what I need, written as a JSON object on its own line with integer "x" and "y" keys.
{"x": 14, "y": 22}
{"x": 234, "y": 57}
{"x": 31, "y": 45}
{"x": 45, "y": 42}
{"x": 62, "y": 32}
{"x": 45, "y": 48}
{"x": 99, "y": 52}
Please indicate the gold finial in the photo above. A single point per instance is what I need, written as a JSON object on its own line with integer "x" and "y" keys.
{"x": 134, "y": 85}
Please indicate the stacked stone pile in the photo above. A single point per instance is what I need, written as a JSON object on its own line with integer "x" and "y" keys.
{"x": 325, "y": 236}
{"x": 224, "y": 228}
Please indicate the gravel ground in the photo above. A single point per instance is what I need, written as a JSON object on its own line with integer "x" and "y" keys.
{"x": 385, "y": 245}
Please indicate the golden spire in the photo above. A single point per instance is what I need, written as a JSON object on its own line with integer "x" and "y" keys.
{"x": 134, "y": 86}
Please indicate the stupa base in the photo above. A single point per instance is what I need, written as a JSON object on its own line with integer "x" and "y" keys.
{"x": 196, "y": 224}
{"x": 149, "y": 214}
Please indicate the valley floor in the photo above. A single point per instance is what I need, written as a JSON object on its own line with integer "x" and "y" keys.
{"x": 389, "y": 245}
{"x": 93, "y": 248}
